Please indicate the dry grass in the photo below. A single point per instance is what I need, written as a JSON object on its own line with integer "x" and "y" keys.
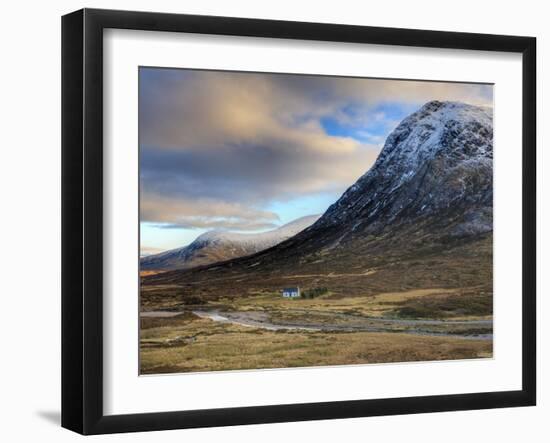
{"x": 380, "y": 305}
{"x": 371, "y": 267}
{"x": 147, "y": 273}
{"x": 190, "y": 344}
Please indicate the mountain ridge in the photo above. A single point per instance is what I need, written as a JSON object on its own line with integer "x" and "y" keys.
{"x": 421, "y": 216}
{"x": 218, "y": 245}
{"x": 452, "y": 134}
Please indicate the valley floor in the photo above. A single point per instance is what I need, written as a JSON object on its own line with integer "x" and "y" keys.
{"x": 267, "y": 331}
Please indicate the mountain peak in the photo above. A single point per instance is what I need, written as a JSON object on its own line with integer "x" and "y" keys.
{"x": 437, "y": 126}
{"x": 439, "y": 156}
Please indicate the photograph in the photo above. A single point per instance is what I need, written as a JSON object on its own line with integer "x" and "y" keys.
{"x": 291, "y": 220}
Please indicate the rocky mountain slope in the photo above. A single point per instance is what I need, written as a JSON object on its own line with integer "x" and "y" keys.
{"x": 421, "y": 217}
{"x": 439, "y": 158}
{"x": 216, "y": 246}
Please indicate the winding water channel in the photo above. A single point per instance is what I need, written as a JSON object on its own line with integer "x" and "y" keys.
{"x": 468, "y": 329}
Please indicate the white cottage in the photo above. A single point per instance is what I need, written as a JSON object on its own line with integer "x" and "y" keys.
{"x": 291, "y": 292}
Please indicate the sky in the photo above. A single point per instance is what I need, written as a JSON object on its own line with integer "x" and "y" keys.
{"x": 249, "y": 152}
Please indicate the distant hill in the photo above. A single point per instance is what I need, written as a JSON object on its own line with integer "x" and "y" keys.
{"x": 216, "y": 246}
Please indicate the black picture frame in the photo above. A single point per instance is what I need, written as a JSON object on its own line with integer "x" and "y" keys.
{"x": 82, "y": 218}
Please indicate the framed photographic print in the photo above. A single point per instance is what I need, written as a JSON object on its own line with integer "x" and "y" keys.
{"x": 269, "y": 221}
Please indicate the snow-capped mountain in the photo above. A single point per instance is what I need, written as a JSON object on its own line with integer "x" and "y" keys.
{"x": 215, "y": 246}
{"x": 439, "y": 158}
{"x": 420, "y": 217}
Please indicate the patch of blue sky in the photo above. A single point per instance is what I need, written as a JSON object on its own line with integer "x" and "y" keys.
{"x": 155, "y": 235}
{"x": 302, "y": 206}
{"x": 486, "y": 92}
{"x": 367, "y": 124}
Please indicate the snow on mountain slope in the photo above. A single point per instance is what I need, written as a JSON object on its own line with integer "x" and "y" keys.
{"x": 217, "y": 245}
{"x": 439, "y": 158}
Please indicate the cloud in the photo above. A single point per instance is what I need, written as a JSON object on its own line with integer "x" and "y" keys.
{"x": 180, "y": 108}
{"x": 217, "y": 147}
{"x": 183, "y": 212}
{"x": 149, "y": 250}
